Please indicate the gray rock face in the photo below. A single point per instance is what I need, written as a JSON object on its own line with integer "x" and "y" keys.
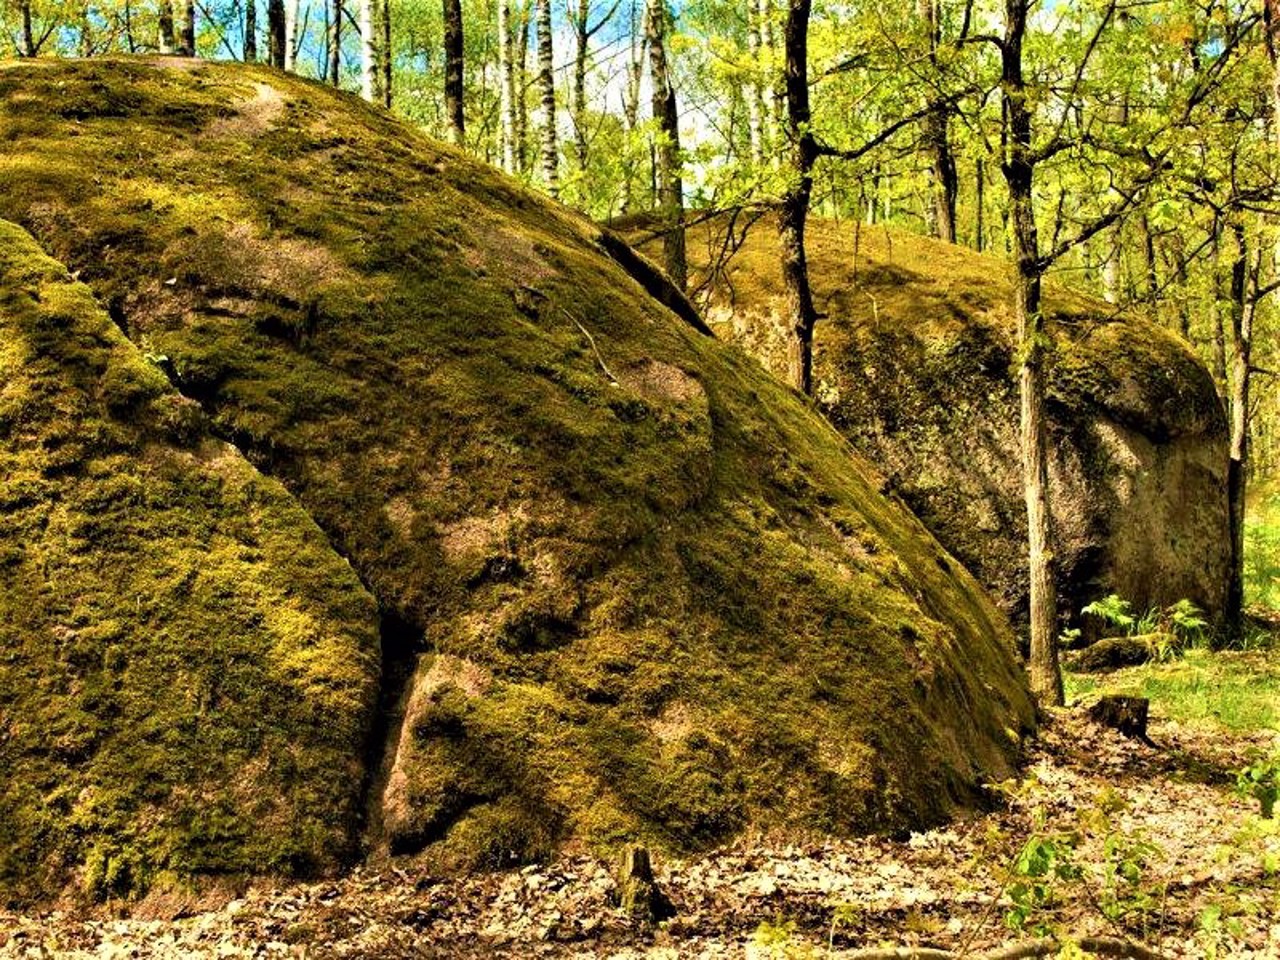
{"x": 1138, "y": 453}
{"x": 914, "y": 362}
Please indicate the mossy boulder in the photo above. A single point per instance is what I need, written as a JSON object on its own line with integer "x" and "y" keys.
{"x": 914, "y": 363}
{"x": 187, "y": 669}
{"x": 631, "y": 588}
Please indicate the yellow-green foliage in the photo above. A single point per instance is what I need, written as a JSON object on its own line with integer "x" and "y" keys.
{"x": 186, "y": 667}
{"x": 667, "y": 605}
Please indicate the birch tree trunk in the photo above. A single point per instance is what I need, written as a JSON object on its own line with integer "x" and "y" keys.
{"x": 384, "y": 13}
{"x": 368, "y": 52}
{"x": 670, "y": 182}
{"x": 547, "y": 89}
{"x": 1019, "y": 171}
{"x": 250, "y": 31}
{"x": 506, "y": 82}
{"x": 581, "y": 28}
{"x": 631, "y": 104}
{"x": 793, "y": 212}
{"x": 335, "y": 43}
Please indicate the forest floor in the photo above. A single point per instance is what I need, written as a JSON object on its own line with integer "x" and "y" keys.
{"x": 1101, "y": 836}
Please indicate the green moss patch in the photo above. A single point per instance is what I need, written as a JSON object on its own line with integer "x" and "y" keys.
{"x": 186, "y": 667}
{"x": 648, "y": 593}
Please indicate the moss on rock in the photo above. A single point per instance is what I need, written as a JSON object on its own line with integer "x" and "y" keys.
{"x": 913, "y": 362}
{"x": 186, "y": 667}
{"x": 642, "y": 591}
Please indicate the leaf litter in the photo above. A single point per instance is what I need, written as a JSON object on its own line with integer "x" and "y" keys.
{"x": 1163, "y": 852}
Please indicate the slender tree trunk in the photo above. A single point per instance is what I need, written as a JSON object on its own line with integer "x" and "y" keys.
{"x": 670, "y": 181}
{"x": 1113, "y": 280}
{"x": 368, "y": 52}
{"x": 130, "y": 43}
{"x": 453, "y": 77}
{"x": 388, "y": 88}
{"x": 873, "y": 198}
{"x": 1112, "y": 275}
{"x": 1180, "y": 276}
{"x": 547, "y": 88}
{"x": 1149, "y": 254}
{"x": 384, "y": 12}
{"x": 793, "y": 212}
{"x": 282, "y": 16}
{"x": 631, "y": 105}
{"x": 86, "y": 33}
{"x": 522, "y": 88}
{"x": 168, "y": 41}
{"x": 944, "y": 184}
{"x": 188, "y": 48}
{"x": 335, "y": 43}
{"x": 28, "y": 34}
{"x": 1242, "y": 311}
{"x": 944, "y": 178}
{"x": 755, "y": 91}
{"x": 777, "y": 81}
{"x": 581, "y": 26}
{"x": 507, "y": 87}
{"x": 979, "y": 205}
{"x": 250, "y": 31}
{"x": 1019, "y": 170}
{"x": 1217, "y": 323}
{"x": 653, "y": 175}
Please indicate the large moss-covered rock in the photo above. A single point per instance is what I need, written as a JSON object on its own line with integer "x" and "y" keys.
{"x": 187, "y": 670}
{"x": 914, "y": 363}
{"x": 631, "y": 587}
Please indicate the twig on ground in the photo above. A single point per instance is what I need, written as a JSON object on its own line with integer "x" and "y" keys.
{"x": 592, "y": 340}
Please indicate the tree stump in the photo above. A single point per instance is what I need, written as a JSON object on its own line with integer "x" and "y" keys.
{"x": 636, "y": 892}
{"x": 1126, "y": 714}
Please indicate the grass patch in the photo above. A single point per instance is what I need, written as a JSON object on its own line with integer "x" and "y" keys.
{"x": 1262, "y": 548}
{"x": 1238, "y": 691}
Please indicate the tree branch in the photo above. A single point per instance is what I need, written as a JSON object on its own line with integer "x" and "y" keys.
{"x": 1125, "y": 204}
{"x": 1081, "y": 67}
{"x": 984, "y": 38}
{"x": 825, "y": 150}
